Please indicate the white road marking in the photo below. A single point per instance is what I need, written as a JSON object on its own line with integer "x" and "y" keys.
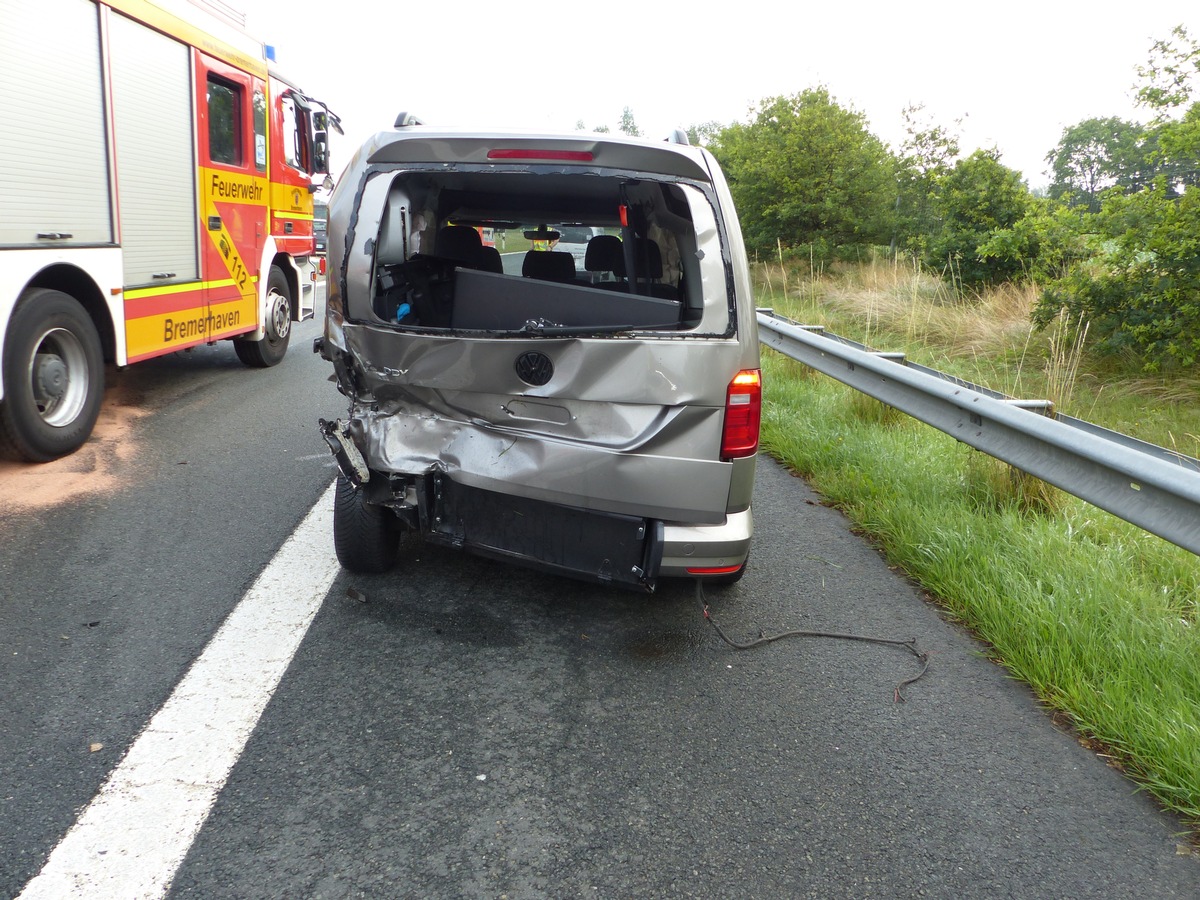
{"x": 313, "y": 456}
{"x": 132, "y": 837}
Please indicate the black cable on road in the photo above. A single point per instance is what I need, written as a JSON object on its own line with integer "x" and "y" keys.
{"x": 764, "y": 639}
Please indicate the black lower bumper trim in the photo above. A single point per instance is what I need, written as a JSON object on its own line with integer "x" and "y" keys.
{"x": 597, "y": 546}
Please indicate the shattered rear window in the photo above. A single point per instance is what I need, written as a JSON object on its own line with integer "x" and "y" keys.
{"x": 499, "y": 252}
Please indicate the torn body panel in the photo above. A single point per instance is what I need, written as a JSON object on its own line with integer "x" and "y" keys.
{"x": 549, "y": 470}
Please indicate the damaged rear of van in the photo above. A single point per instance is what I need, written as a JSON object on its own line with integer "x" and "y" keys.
{"x": 598, "y": 418}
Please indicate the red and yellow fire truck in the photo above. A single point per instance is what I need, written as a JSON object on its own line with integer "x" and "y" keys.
{"x": 156, "y": 182}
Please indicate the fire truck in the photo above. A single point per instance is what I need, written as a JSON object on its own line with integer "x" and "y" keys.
{"x": 156, "y": 182}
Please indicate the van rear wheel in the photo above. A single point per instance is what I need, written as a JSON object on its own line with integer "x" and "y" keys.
{"x": 366, "y": 537}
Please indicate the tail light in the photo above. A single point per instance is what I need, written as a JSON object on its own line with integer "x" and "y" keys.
{"x": 322, "y": 265}
{"x": 712, "y": 570}
{"x": 743, "y": 415}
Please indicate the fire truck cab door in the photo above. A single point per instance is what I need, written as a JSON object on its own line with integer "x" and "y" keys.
{"x": 292, "y": 168}
{"x": 234, "y": 193}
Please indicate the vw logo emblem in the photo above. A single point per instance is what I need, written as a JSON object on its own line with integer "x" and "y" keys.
{"x": 534, "y": 368}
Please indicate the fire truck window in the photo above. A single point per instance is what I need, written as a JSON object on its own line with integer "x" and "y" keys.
{"x": 224, "y": 122}
{"x": 260, "y": 131}
{"x": 293, "y": 135}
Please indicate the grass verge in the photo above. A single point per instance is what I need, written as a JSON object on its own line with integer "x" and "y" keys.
{"x": 1098, "y": 616}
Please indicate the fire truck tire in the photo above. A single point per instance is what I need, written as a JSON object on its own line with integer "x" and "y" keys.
{"x": 277, "y": 332}
{"x": 366, "y": 537}
{"x": 53, "y": 377}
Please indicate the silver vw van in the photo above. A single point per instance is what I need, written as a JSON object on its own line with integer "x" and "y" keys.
{"x": 598, "y": 418}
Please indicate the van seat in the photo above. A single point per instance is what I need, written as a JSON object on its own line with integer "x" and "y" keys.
{"x": 549, "y": 265}
{"x": 603, "y": 255}
{"x": 648, "y": 259}
{"x": 490, "y": 260}
{"x": 460, "y": 243}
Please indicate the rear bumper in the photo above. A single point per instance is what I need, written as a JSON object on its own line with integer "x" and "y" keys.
{"x": 706, "y": 546}
{"x": 625, "y": 550}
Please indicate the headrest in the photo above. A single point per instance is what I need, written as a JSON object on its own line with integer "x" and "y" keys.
{"x": 490, "y": 260}
{"x": 603, "y": 253}
{"x": 458, "y": 242}
{"x": 549, "y": 265}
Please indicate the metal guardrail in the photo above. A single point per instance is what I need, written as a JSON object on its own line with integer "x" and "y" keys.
{"x": 1150, "y": 486}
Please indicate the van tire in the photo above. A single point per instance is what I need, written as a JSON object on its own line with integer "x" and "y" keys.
{"x": 53, "y": 377}
{"x": 366, "y": 537}
{"x": 277, "y": 330}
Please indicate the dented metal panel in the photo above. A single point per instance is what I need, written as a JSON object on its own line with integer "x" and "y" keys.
{"x": 624, "y": 426}
{"x": 619, "y": 370}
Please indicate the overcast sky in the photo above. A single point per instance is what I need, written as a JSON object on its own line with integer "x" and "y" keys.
{"x": 1015, "y": 73}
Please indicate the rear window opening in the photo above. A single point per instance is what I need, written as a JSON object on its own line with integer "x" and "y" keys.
{"x": 547, "y": 253}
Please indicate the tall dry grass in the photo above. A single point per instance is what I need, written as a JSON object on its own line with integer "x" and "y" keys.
{"x": 986, "y": 338}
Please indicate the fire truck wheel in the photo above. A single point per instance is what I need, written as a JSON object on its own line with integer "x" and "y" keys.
{"x": 277, "y": 329}
{"x": 53, "y": 377}
{"x": 366, "y": 537}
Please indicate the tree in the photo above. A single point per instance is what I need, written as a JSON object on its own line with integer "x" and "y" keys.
{"x": 978, "y": 197}
{"x": 927, "y": 155}
{"x": 807, "y": 171}
{"x": 1141, "y": 289}
{"x": 704, "y": 134}
{"x": 1097, "y": 154}
{"x": 628, "y": 126}
{"x": 1168, "y": 78}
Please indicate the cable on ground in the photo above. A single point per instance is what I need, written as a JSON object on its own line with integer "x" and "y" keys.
{"x": 763, "y": 639}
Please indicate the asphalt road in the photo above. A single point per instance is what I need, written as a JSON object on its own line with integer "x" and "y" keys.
{"x": 460, "y": 728}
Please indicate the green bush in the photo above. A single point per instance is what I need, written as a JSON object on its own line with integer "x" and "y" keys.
{"x": 978, "y": 197}
{"x": 1046, "y": 243}
{"x": 1142, "y": 292}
